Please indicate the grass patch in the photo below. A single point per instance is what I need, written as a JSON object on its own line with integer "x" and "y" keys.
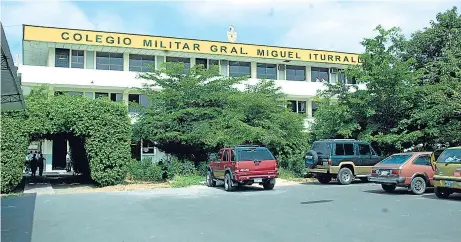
{"x": 287, "y": 174}
{"x": 185, "y": 181}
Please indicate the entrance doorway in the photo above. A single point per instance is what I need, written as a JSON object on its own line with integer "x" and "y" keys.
{"x": 59, "y": 152}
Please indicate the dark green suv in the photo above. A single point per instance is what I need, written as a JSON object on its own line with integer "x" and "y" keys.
{"x": 342, "y": 159}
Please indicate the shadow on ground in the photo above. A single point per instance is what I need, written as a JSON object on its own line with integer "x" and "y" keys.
{"x": 452, "y": 197}
{"x": 71, "y": 181}
{"x": 398, "y": 191}
{"x": 17, "y": 217}
{"x": 248, "y": 188}
{"x": 333, "y": 183}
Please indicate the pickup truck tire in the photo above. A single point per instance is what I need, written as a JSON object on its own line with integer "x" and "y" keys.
{"x": 388, "y": 188}
{"x": 228, "y": 183}
{"x": 418, "y": 185}
{"x": 268, "y": 186}
{"x": 315, "y": 157}
{"x": 324, "y": 178}
{"x": 345, "y": 176}
{"x": 210, "y": 182}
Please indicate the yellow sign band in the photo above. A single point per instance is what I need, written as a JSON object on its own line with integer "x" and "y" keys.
{"x": 86, "y": 37}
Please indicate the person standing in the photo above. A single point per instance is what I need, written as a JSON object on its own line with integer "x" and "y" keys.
{"x": 41, "y": 160}
{"x": 68, "y": 162}
{"x": 33, "y": 163}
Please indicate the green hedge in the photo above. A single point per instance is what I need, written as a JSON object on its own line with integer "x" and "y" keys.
{"x": 145, "y": 170}
{"x": 104, "y": 127}
{"x": 14, "y": 142}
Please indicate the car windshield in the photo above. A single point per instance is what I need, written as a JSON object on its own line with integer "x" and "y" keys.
{"x": 255, "y": 154}
{"x": 450, "y": 156}
{"x": 395, "y": 159}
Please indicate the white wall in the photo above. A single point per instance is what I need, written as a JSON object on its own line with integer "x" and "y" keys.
{"x": 122, "y": 80}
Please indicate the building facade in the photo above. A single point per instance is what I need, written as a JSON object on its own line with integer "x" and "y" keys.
{"x": 105, "y": 64}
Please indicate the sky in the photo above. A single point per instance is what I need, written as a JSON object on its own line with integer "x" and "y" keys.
{"x": 311, "y": 24}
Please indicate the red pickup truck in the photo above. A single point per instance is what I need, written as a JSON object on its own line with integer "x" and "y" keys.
{"x": 243, "y": 165}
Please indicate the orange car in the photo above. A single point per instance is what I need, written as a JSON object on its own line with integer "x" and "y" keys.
{"x": 411, "y": 170}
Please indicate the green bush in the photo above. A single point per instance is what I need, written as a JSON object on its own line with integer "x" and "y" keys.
{"x": 104, "y": 126}
{"x": 173, "y": 167}
{"x": 202, "y": 168}
{"x": 145, "y": 170}
{"x": 14, "y": 141}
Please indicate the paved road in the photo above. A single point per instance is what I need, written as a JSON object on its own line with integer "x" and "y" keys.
{"x": 354, "y": 213}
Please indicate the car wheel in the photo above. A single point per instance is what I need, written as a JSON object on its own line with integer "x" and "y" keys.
{"x": 441, "y": 192}
{"x": 345, "y": 176}
{"x": 268, "y": 186}
{"x": 418, "y": 185}
{"x": 323, "y": 178}
{"x": 388, "y": 188}
{"x": 228, "y": 183}
{"x": 209, "y": 180}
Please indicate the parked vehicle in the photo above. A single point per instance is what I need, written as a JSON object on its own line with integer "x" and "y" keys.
{"x": 343, "y": 159}
{"x": 411, "y": 170}
{"x": 243, "y": 165}
{"x": 447, "y": 171}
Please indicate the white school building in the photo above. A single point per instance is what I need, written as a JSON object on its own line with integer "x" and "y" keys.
{"x": 105, "y": 64}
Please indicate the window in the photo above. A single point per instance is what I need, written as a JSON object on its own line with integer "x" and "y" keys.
{"x": 232, "y": 155}
{"x": 72, "y": 93}
{"x": 89, "y": 94}
{"x": 219, "y": 158}
{"x": 137, "y": 98}
{"x": 322, "y": 148}
{"x": 213, "y": 63}
{"x": 255, "y": 154}
{"x": 147, "y": 147}
{"x": 364, "y": 149}
{"x": 226, "y": 155}
{"x": 266, "y": 71}
{"x": 450, "y": 156}
{"x": 296, "y": 73}
{"x": 344, "y": 149}
{"x": 78, "y": 59}
{"x": 185, "y": 61}
{"x": 239, "y": 69}
{"x": 396, "y": 159}
{"x": 116, "y": 97}
{"x": 297, "y": 106}
{"x": 203, "y": 62}
{"x": 423, "y": 160}
{"x": 319, "y": 74}
{"x": 101, "y": 95}
{"x": 343, "y": 79}
{"x": 142, "y": 63}
{"x": 61, "y": 58}
{"x": 109, "y": 61}
{"x": 314, "y": 108}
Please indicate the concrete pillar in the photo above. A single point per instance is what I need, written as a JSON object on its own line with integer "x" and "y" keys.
{"x": 192, "y": 62}
{"x": 51, "y": 56}
{"x": 309, "y": 108}
{"x": 126, "y": 61}
{"x": 308, "y": 74}
{"x": 253, "y": 70}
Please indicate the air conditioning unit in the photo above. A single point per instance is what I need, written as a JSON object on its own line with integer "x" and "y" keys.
{"x": 334, "y": 70}
{"x": 224, "y": 62}
{"x": 281, "y": 67}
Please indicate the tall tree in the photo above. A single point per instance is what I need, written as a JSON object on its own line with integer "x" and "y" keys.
{"x": 198, "y": 112}
{"x": 412, "y": 93}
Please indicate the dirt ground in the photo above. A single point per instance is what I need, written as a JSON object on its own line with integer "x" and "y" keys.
{"x": 63, "y": 188}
